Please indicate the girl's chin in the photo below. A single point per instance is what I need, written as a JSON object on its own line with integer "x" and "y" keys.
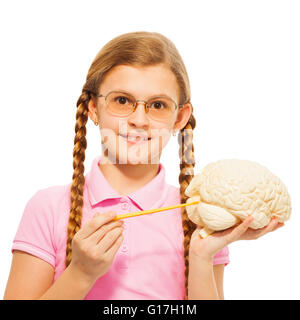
{"x": 132, "y": 155}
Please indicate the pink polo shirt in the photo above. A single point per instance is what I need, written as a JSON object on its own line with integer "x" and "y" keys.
{"x": 149, "y": 263}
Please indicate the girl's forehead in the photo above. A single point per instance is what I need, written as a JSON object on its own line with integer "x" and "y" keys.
{"x": 141, "y": 80}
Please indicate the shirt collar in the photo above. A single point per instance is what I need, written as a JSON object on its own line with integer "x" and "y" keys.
{"x": 152, "y": 195}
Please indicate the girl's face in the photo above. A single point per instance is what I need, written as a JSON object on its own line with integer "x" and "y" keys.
{"x": 142, "y": 83}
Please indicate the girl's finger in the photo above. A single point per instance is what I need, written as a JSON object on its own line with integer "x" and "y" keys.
{"x": 96, "y": 237}
{"x": 109, "y": 238}
{"x": 279, "y": 225}
{"x": 115, "y": 247}
{"x": 270, "y": 227}
{"x": 239, "y": 230}
{"x": 95, "y": 223}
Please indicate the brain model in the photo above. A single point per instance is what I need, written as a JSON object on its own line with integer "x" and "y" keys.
{"x": 229, "y": 190}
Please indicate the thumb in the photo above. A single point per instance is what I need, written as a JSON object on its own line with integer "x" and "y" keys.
{"x": 196, "y": 231}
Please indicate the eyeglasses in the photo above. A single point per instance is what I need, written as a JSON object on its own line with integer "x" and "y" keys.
{"x": 122, "y": 104}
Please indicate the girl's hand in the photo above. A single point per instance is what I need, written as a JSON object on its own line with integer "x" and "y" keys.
{"x": 95, "y": 245}
{"x": 206, "y": 248}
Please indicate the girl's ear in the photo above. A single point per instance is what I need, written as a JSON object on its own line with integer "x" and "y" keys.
{"x": 183, "y": 116}
{"x": 92, "y": 112}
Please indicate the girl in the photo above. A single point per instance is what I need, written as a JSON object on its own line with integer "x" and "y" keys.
{"x": 68, "y": 246}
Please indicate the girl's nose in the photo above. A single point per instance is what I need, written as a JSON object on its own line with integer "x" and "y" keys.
{"x": 139, "y": 118}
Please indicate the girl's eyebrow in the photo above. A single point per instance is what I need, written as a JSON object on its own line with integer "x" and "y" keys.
{"x": 153, "y": 96}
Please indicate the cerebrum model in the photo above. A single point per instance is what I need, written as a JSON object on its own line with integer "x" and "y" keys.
{"x": 229, "y": 190}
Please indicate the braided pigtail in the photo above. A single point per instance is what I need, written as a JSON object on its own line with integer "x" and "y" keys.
{"x": 77, "y": 187}
{"x": 187, "y": 163}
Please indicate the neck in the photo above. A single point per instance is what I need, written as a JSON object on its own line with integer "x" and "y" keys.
{"x": 127, "y": 178}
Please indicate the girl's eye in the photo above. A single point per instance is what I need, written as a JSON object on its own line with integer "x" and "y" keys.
{"x": 158, "y": 105}
{"x": 121, "y": 99}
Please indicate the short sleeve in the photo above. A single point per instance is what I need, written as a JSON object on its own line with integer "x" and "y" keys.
{"x": 35, "y": 231}
{"x": 222, "y": 256}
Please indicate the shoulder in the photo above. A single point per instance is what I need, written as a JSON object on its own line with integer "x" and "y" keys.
{"x": 173, "y": 189}
{"x": 50, "y": 196}
{"x": 43, "y": 217}
{"x": 174, "y": 193}
{"x": 173, "y": 198}
{"x": 54, "y": 192}
{"x": 48, "y": 202}
{"x": 39, "y": 227}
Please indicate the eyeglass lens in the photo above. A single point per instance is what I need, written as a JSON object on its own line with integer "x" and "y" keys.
{"x": 121, "y": 104}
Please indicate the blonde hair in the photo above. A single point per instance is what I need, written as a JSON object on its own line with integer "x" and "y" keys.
{"x": 140, "y": 48}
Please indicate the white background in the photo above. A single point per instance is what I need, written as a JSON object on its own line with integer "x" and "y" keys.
{"x": 242, "y": 58}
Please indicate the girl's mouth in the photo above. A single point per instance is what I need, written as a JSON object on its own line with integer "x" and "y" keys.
{"x": 134, "y": 140}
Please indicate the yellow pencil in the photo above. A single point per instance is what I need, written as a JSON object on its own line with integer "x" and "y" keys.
{"x": 139, "y": 213}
